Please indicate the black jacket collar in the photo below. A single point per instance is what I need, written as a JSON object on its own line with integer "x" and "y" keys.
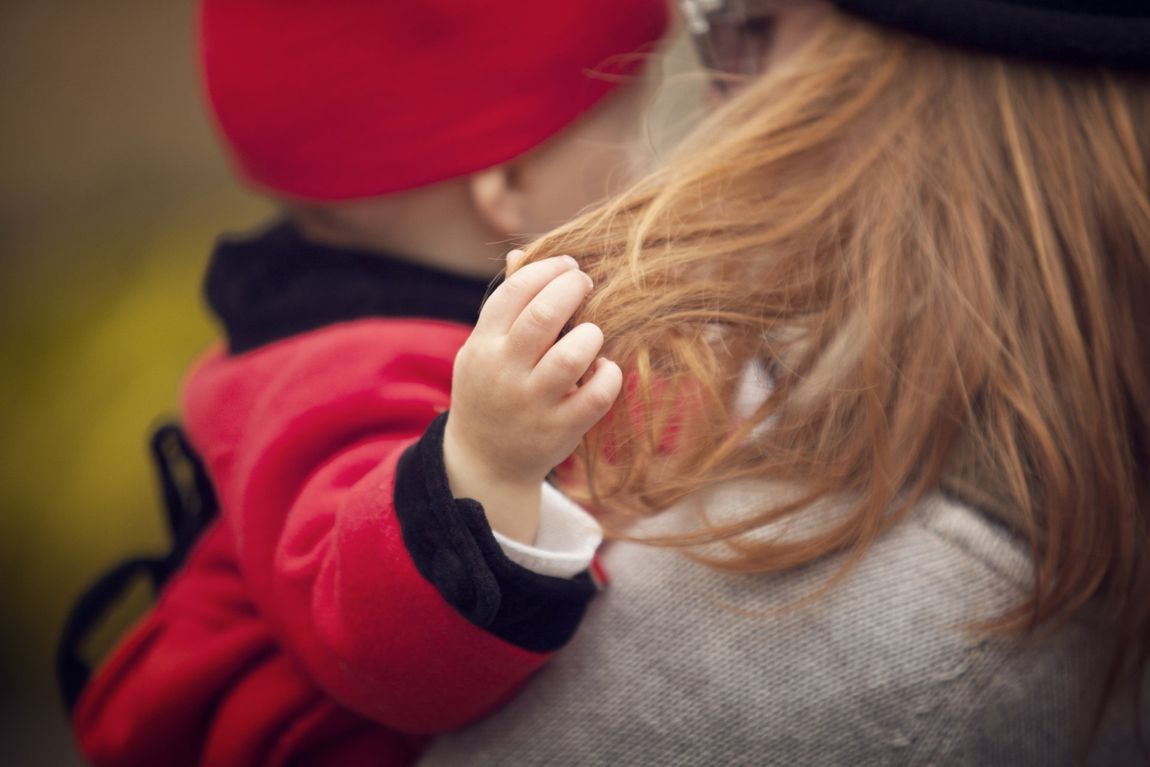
{"x": 276, "y": 284}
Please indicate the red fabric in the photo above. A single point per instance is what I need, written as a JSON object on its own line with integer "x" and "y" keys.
{"x": 338, "y": 99}
{"x": 300, "y": 631}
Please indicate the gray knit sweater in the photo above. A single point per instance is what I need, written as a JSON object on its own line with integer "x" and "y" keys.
{"x": 677, "y": 664}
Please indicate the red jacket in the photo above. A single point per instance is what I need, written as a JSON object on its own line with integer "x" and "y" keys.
{"x": 345, "y": 605}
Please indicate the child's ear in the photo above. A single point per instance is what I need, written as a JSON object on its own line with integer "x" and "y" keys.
{"x": 499, "y": 200}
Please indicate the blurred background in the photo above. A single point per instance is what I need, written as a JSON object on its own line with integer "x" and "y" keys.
{"x": 111, "y": 194}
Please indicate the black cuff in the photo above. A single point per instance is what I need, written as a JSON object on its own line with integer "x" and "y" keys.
{"x": 453, "y": 547}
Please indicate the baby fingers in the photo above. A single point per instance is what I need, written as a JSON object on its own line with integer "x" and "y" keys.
{"x": 508, "y": 301}
{"x": 567, "y": 361}
{"x": 590, "y": 402}
{"x": 539, "y": 324}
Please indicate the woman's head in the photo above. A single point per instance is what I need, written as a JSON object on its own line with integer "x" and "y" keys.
{"x": 929, "y": 249}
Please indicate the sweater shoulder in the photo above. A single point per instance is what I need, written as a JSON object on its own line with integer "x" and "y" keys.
{"x": 886, "y": 667}
{"x": 890, "y": 664}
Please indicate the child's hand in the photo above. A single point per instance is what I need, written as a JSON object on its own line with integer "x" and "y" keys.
{"x": 518, "y": 407}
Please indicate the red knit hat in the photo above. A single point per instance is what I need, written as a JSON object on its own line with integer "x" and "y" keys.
{"x": 338, "y": 99}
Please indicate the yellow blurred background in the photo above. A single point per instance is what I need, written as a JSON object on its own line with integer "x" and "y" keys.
{"x": 112, "y": 190}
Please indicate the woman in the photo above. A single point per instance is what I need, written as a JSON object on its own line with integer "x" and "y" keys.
{"x": 884, "y": 316}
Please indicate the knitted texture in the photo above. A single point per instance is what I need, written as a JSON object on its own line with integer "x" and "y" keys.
{"x": 677, "y": 664}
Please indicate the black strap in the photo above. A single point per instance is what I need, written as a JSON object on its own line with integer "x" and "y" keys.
{"x": 190, "y": 505}
{"x": 189, "y": 498}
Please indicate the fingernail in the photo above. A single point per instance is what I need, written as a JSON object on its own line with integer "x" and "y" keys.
{"x": 570, "y": 261}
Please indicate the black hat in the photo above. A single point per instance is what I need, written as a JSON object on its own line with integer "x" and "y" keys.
{"x": 1112, "y": 33}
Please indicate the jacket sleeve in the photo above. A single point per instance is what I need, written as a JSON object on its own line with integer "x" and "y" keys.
{"x": 392, "y": 595}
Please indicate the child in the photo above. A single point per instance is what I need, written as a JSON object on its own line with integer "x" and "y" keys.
{"x": 352, "y": 599}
